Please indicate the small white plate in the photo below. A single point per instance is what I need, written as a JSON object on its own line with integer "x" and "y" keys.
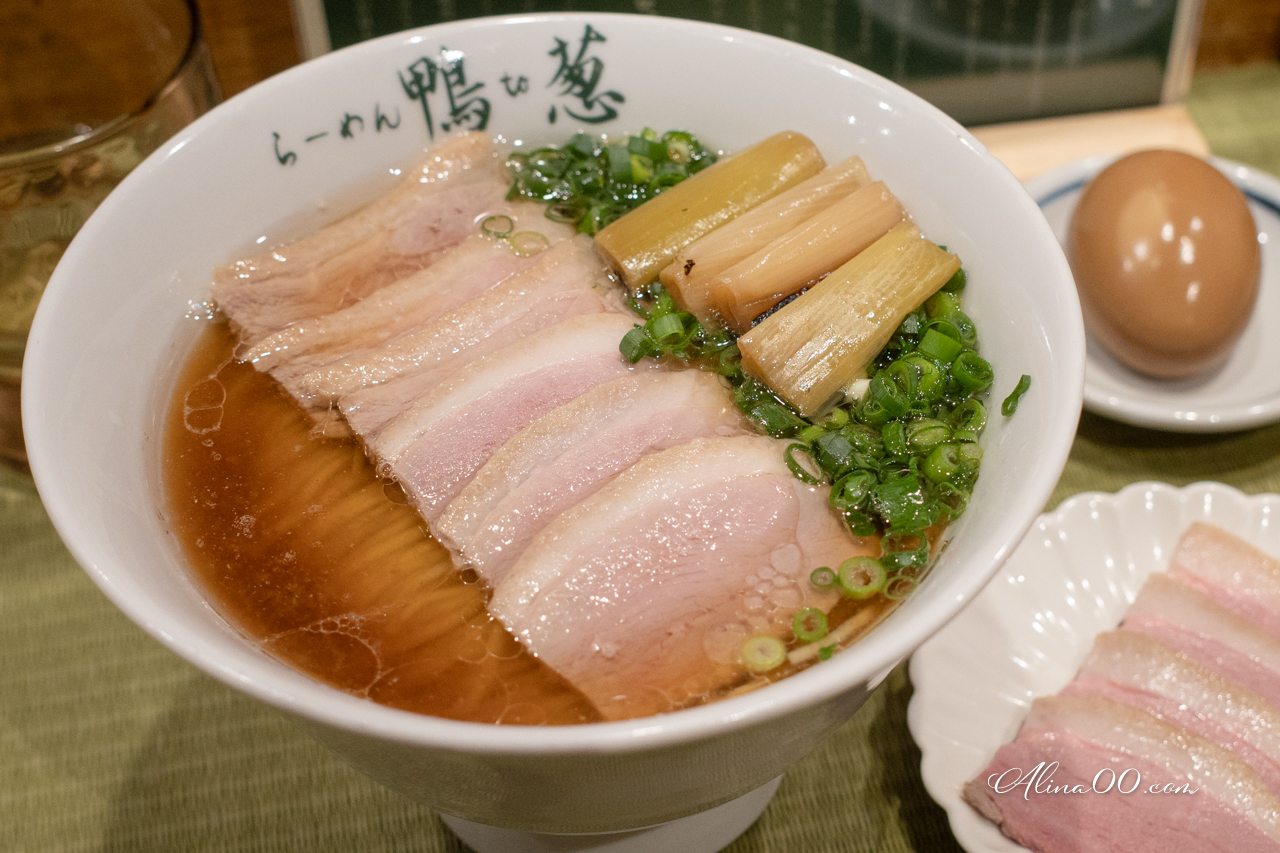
{"x": 1243, "y": 393}
{"x": 1025, "y": 635}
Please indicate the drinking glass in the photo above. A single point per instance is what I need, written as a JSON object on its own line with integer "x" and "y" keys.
{"x": 87, "y": 90}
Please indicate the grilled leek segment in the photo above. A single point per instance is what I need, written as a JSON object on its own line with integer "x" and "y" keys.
{"x": 639, "y": 244}
{"x": 688, "y": 277}
{"x": 797, "y": 259}
{"x": 809, "y": 349}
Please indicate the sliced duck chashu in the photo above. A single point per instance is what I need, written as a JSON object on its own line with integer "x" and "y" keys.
{"x": 571, "y": 452}
{"x": 433, "y": 207}
{"x": 1231, "y": 811}
{"x": 1232, "y": 572}
{"x": 1212, "y": 636}
{"x": 461, "y": 274}
{"x": 437, "y": 446}
{"x": 1141, "y": 672}
{"x": 374, "y": 384}
{"x": 564, "y": 281}
{"x": 643, "y": 594}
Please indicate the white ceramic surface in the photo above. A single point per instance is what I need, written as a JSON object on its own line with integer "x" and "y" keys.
{"x": 125, "y": 303}
{"x": 1074, "y": 576}
{"x": 1243, "y": 393}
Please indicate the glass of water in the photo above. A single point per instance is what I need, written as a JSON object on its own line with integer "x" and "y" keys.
{"x": 87, "y": 90}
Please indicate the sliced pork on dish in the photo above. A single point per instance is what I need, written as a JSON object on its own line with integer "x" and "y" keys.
{"x": 1228, "y": 808}
{"x": 1187, "y": 693}
{"x": 1231, "y": 572}
{"x": 643, "y": 594}
{"x": 1207, "y": 633}
{"x": 1141, "y": 672}
{"x": 434, "y": 207}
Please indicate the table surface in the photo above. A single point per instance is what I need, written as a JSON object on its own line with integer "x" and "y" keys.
{"x": 109, "y": 742}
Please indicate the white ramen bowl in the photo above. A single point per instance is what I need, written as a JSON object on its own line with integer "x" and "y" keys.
{"x": 122, "y": 310}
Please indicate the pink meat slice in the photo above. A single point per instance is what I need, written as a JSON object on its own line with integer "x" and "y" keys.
{"x": 1230, "y": 811}
{"x": 462, "y": 274}
{"x": 1138, "y": 671}
{"x": 374, "y": 385}
{"x": 436, "y": 447}
{"x": 571, "y": 452}
{"x": 1212, "y": 636}
{"x": 1232, "y": 572}
{"x": 643, "y": 594}
{"x": 432, "y": 208}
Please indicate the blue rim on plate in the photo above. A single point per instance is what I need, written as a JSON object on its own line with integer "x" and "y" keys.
{"x": 1243, "y": 393}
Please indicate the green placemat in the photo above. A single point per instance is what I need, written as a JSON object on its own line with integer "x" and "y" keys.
{"x": 110, "y": 743}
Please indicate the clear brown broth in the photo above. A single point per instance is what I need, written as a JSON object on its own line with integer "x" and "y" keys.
{"x": 301, "y": 546}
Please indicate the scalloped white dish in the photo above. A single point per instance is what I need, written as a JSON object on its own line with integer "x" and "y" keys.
{"x": 1244, "y": 392}
{"x": 1073, "y": 576}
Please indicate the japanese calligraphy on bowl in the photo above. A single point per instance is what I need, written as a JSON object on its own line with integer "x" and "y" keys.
{"x": 451, "y": 97}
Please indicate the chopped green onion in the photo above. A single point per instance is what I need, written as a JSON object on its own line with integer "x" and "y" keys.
{"x": 940, "y": 347}
{"x": 852, "y": 491}
{"x": 859, "y": 523}
{"x": 667, "y": 329}
{"x": 969, "y": 419}
{"x": 970, "y": 454}
{"x": 635, "y": 344}
{"x": 888, "y": 395}
{"x": 777, "y": 419}
{"x": 1010, "y": 404}
{"x": 900, "y": 499}
{"x": 956, "y": 283}
{"x": 904, "y": 549}
{"x": 972, "y": 372}
{"x": 943, "y": 463}
{"x": 942, "y": 304}
{"x": 809, "y": 624}
{"x": 931, "y": 385}
{"x": 899, "y": 588}
{"x": 619, "y": 163}
{"x": 895, "y": 438}
{"x": 823, "y": 577}
{"x": 641, "y": 169}
{"x": 837, "y": 419}
{"x": 861, "y": 577}
{"x": 944, "y": 327}
{"x": 810, "y": 433}
{"x": 924, "y": 433}
{"x": 968, "y": 332}
{"x": 826, "y": 652}
{"x": 834, "y": 452}
{"x": 955, "y": 500}
{"x": 798, "y": 470}
{"x": 526, "y": 243}
{"x": 499, "y": 225}
{"x": 762, "y": 653}
{"x": 564, "y": 212}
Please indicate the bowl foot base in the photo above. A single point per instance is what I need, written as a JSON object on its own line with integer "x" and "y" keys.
{"x": 705, "y": 832}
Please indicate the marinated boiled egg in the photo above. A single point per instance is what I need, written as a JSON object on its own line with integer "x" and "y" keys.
{"x": 1166, "y": 260}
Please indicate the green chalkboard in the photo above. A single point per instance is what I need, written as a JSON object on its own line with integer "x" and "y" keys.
{"x": 982, "y": 61}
